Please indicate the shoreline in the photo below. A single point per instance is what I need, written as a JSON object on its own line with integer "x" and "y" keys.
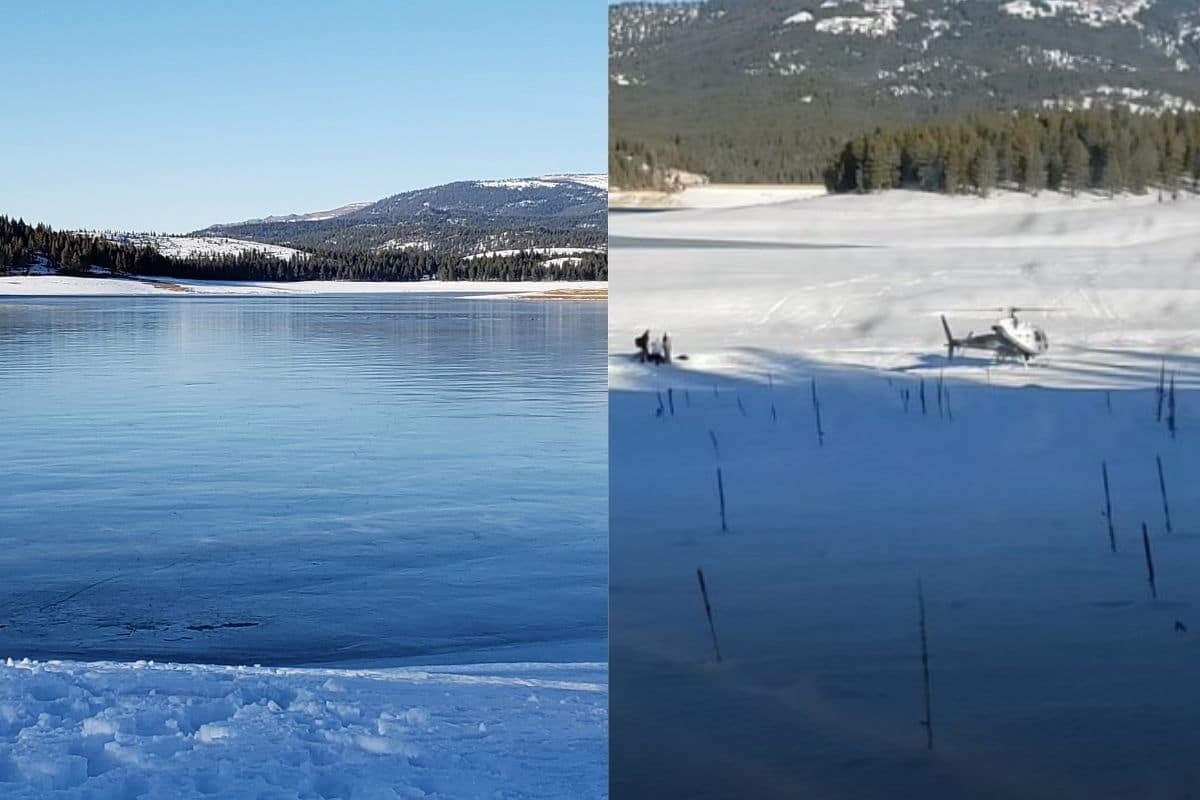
{"x": 710, "y": 196}
{"x": 151, "y": 285}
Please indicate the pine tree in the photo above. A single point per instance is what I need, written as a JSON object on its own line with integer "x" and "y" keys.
{"x": 1143, "y": 166}
{"x": 1076, "y": 167}
{"x": 983, "y": 168}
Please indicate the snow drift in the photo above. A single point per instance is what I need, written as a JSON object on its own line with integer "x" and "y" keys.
{"x": 112, "y": 730}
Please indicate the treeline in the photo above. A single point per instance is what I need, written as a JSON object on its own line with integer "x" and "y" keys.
{"x": 638, "y": 164}
{"x": 527, "y": 266}
{"x": 349, "y": 235}
{"x": 1100, "y": 149}
{"x": 24, "y": 246}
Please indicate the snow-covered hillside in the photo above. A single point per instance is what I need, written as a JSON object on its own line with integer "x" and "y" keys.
{"x": 111, "y": 730}
{"x": 461, "y": 217}
{"x": 201, "y": 246}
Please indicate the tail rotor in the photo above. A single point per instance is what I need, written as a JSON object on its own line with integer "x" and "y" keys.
{"x": 950, "y": 341}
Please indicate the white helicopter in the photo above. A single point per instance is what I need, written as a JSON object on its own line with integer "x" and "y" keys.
{"x": 1010, "y": 337}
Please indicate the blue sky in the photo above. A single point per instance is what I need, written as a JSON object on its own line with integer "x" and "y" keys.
{"x": 169, "y": 116}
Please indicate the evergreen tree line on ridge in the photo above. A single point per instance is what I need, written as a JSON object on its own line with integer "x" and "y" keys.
{"x": 23, "y": 246}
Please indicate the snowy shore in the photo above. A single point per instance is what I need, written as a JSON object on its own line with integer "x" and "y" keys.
{"x": 62, "y": 285}
{"x": 122, "y": 730}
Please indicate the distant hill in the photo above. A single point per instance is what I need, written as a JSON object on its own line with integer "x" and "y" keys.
{"x": 768, "y": 90}
{"x": 462, "y": 218}
{"x": 313, "y": 216}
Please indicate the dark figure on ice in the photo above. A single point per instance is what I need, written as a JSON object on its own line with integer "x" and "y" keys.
{"x": 666, "y": 348}
{"x": 656, "y": 354}
{"x": 643, "y": 344}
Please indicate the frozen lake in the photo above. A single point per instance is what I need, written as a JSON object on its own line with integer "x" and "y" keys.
{"x": 344, "y": 480}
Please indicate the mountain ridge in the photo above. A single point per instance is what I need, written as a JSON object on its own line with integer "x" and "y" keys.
{"x": 462, "y": 216}
{"x": 762, "y": 91}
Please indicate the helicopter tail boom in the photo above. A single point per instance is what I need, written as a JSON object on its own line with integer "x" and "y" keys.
{"x": 951, "y": 342}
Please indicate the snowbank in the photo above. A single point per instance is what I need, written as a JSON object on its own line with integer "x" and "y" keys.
{"x": 716, "y": 195}
{"x": 113, "y": 730}
{"x": 47, "y": 285}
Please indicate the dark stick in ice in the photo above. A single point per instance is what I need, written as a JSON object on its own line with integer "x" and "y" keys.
{"x": 1171, "y": 407}
{"x": 927, "y": 723}
{"x": 671, "y": 400}
{"x": 1162, "y": 488}
{"x": 1162, "y": 385}
{"x": 1149, "y": 561}
{"x": 708, "y": 613}
{"x": 940, "y": 386}
{"x": 1112, "y": 537}
{"x": 721, "y": 497}
{"x": 817, "y": 411}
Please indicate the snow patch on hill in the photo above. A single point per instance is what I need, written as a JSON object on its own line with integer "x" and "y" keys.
{"x": 1094, "y": 13}
{"x": 545, "y": 251}
{"x": 879, "y": 18}
{"x": 202, "y": 246}
{"x": 1136, "y": 100}
{"x": 397, "y": 244}
{"x": 593, "y": 180}
{"x": 516, "y": 183}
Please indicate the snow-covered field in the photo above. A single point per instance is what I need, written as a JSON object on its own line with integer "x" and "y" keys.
{"x": 202, "y": 246}
{"x": 863, "y": 280}
{"x": 1054, "y": 670}
{"x": 111, "y": 730}
{"x": 70, "y": 286}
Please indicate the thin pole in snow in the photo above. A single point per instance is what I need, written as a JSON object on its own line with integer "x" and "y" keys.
{"x": 1162, "y": 488}
{"x": 712, "y": 629}
{"x": 721, "y": 497}
{"x": 927, "y": 723}
{"x": 817, "y": 411}
{"x": 1149, "y": 561}
{"x": 1112, "y": 536}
